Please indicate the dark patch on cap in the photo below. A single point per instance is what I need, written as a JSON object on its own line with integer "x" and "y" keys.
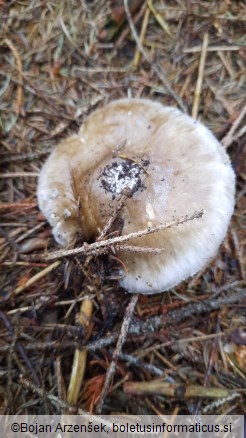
{"x": 123, "y": 174}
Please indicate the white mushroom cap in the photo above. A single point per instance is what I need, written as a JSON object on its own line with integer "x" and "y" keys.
{"x": 173, "y": 166}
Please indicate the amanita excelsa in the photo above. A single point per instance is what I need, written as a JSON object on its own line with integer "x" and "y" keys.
{"x": 170, "y": 164}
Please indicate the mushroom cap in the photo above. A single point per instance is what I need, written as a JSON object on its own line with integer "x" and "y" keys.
{"x": 172, "y": 165}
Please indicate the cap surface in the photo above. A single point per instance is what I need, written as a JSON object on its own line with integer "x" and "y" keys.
{"x": 172, "y": 165}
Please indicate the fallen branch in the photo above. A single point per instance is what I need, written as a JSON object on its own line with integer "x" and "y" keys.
{"x": 64, "y": 345}
{"x": 174, "y": 390}
{"x": 140, "y": 328}
{"x": 204, "y": 306}
{"x": 93, "y": 248}
{"x": 123, "y": 333}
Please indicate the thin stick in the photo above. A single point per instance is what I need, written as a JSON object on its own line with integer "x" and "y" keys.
{"x": 55, "y": 345}
{"x": 130, "y": 359}
{"x": 19, "y": 175}
{"x": 138, "y": 54}
{"x": 37, "y": 277}
{"x": 24, "y": 157}
{"x": 80, "y": 357}
{"x": 29, "y": 232}
{"x": 214, "y": 303}
{"x": 239, "y": 253}
{"x": 123, "y": 333}
{"x": 157, "y": 69}
{"x": 37, "y": 306}
{"x": 113, "y": 217}
{"x": 13, "y": 205}
{"x": 142, "y": 249}
{"x": 127, "y": 30}
{"x": 227, "y": 64}
{"x": 212, "y": 49}
{"x": 109, "y": 224}
{"x": 60, "y": 382}
{"x": 178, "y": 342}
{"x": 200, "y": 77}
{"x": 229, "y": 138}
{"x": 174, "y": 390}
{"x": 220, "y": 402}
{"x": 93, "y": 247}
{"x": 159, "y": 18}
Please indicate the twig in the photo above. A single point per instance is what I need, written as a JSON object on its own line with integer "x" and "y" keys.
{"x": 220, "y": 402}
{"x": 209, "y": 367}
{"x": 97, "y": 69}
{"x": 137, "y": 55}
{"x": 151, "y": 324}
{"x": 19, "y": 175}
{"x": 11, "y": 242}
{"x": 39, "y": 304}
{"x": 179, "y": 342}
{"x": 114, "y": 215}
{"x": 130, "y": 359}
{"x": 159, "y": 18}
{"x": 239, "y": 253}
{"x": 89, "y": 249}
{"x": 157, "y": 69}
{"x": 127, "y": 30}
{"x": 55, "y": 345}
{"x": 29, "y": 232}
{"x": 174, "y": 390}
{"x": 13, "y": 205}
{"x": 229, "y": 138}
{"x": 200, "y": 77}
{"x": 80, "y": 357}
{"x": 226, "y": 64}
{"x": 123, "y": 333}
{"x": 32, "y": 265}
{"x": 24, "y": 157}
{"x": 109, "y": 224}
{"x": 198, "y": 49}
{"x": 142, "y": 249}
{"x": 60, "y": 382}
{"x": 37, "y": 277}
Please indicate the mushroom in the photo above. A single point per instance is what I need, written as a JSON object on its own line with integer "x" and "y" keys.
{"x": 171, "y": 166}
